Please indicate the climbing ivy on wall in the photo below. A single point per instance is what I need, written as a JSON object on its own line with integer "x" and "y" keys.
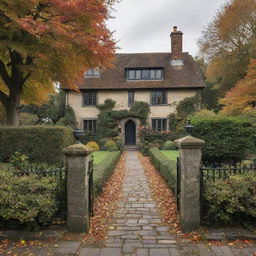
{"x": 184, "y": 108}
{"x": 107, "y": 122}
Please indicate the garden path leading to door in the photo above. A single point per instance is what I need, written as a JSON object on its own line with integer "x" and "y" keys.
{"x": 136, "y": 229}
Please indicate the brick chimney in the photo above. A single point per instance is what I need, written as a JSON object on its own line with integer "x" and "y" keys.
{"x": 176, "y": 42}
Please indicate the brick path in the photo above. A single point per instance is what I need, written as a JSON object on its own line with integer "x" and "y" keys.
{"x": 137, "y": 228}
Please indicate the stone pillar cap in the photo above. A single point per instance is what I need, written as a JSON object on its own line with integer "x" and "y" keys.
{"x": 77, "y": 150}
{"x": 189, "y": 142}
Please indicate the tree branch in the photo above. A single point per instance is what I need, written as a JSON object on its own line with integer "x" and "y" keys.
{"x": 4, "y": 74}
{"x": 4, "y": 98}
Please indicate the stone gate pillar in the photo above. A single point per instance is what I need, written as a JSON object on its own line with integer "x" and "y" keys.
{"x": 190, "y": 151}
{"x": 77, "y": 164}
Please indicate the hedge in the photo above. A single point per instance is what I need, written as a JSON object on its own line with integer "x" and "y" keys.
{"x": 166, "y": 167}
{"x": 228, "y": 139}
{"x": 103, "y": 170}
{"x": 231, "y": 201}
{"x": 39, "y": 143}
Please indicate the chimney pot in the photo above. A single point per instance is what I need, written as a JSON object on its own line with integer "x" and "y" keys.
{"x": 175, "y": 29}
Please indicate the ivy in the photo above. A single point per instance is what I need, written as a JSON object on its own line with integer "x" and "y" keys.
{"x": 184, "y": 108}
{"x": 107, "y": 122}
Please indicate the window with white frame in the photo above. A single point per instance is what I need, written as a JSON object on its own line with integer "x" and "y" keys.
{"x": 159, "y": 124}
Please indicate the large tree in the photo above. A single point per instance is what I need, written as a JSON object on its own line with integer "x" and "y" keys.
{"x": 242, "y": 98}
{"x": 229, "y": 42}
{"x": 47, "y": 41}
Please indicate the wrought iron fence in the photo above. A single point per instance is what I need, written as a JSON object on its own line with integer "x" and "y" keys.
{"x": 178, "y": 184}
{"x": 218, "y": 172}
{"x": 59, "y": 174}
{"x": 224, "y": 172}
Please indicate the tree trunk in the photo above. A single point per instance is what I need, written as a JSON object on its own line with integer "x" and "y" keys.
{"x": 13, "y": 109}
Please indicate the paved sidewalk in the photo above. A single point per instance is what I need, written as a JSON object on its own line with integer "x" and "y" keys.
{"x": 137, "y": 228}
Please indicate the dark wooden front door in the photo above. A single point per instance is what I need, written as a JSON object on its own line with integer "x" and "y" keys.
{"x": 130, "y": 133}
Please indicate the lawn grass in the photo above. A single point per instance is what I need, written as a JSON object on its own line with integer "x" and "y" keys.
{"x": 171, "y": 154}
{"x": 99, "y": 156}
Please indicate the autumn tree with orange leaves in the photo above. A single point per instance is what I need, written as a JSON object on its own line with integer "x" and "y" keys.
{"x": 242, "y": 98}
{"x": 228, "y": 44}
{"x": 43, "y": 42}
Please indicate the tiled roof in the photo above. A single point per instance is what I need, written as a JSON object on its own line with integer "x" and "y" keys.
{"x": 186, "y": 76}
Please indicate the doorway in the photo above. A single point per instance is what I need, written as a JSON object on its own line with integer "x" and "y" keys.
{"x": 130, "y": 133}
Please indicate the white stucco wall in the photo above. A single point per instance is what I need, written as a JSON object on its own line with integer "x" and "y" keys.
{"x": 74, "y": 99}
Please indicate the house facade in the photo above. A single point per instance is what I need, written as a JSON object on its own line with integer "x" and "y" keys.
{"x": 160, "y": 79}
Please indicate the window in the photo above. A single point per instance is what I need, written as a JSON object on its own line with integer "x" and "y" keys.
{"x": 89, "y": 98}
{"x": 159, "y": 125}
{"x": 92, "y": 73}
{"x": 90, "y": 125}
{"x": 144, "y": 74}
{"x": 158, "y": 98}
{"x": 130, "y": 99}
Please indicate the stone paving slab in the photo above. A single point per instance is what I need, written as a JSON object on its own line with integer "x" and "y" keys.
{"x": 136, "y": 229}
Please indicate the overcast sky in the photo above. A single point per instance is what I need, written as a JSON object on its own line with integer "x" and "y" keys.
{"x": 145, "y": 25}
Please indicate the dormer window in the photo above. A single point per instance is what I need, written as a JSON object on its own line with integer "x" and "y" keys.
{"x": 144, "y": 74}
{"x": 92, "y": 73}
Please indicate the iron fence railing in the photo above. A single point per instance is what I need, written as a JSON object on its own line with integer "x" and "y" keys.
{"x": 214, "y": 173}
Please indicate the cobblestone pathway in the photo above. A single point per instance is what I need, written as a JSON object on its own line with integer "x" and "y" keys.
{"x": 137, "y": 229}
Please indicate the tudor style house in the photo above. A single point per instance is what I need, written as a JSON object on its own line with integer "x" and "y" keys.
{"x": 160, "y": 79}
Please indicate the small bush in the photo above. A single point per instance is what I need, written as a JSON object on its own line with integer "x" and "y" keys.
{"x": 230, "y": 201}
{"x": 39, "y": 143}
{"x": 110, "y": 145}
{"x": 165, "y": 166}
{"x": 169, "y": 145}
{"x": 27, "y": 199}
{"x": 103, "y": 170}
{"x": 160, "y": 142}
{"x": 94, "y": 145}
{"x": 154, "y": 145}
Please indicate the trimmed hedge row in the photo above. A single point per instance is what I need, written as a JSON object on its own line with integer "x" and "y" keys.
{"x": 39, "y": 143}
{"x": 103, "y": 170}
{"x": 228, "y": 139}
{"x": 165, "y": 166}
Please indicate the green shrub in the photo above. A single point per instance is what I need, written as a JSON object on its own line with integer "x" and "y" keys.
{"x": 228, "y": 139}
{"x": 169, "y": 145}
{"x": 230, "y": 201}
{"x": 103, "y": 170}
{"x": 145, "y": 150}
{"x": 119, "y": 144}
{"x": 165, "y": 166}
{"x": 39, "y": 143}
{"x": 158, "y": 141}
{"x": 18, "y": 160}
{"x": 110, "y": 145}
{"x": 69, "y": 119}
{"x": 94, "y": 145}
{"x": 27, "y": 199}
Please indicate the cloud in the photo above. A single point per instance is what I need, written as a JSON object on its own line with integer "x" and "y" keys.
{"x": 145, "y": 25}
